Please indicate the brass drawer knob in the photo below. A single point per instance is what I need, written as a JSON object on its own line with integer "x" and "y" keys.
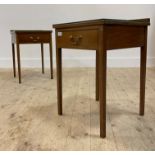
{"x": 31, "y": 37}
{"x": 38, "y": 38}
{"x": 34, "y": 38}
{"x": 75, "y": 40}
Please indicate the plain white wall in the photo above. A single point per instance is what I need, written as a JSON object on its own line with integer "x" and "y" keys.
{"x": 43, "y": 16}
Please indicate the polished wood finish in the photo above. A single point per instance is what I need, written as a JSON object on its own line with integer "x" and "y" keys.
{"x": 136, "y": 22}
{"x": 102, "y": 35}
{"x": 31, "y": 37}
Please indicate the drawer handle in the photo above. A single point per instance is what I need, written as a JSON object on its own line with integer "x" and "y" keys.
{"x": 34, "y": 39}
{"x": 31, "y": 37}
{"x": 75, "y": 40}
{"x": 38, "y": 38}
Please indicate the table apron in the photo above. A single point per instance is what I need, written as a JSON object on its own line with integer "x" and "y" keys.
{"x": 118, "y": 37}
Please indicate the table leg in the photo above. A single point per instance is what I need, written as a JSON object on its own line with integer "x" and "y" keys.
{"x": 14, "y": 60}
{"x": 97, "y": 75}
{"x": 143, "y": 75}
{"x": 59, "y": 79}
{"x": 18, "y": 59}
{"x": 42, "y": 57}
{"x": 51, "y": 59}
{"x": 102, "y": 83}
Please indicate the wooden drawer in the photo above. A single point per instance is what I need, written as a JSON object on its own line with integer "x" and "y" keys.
{"x": 79, "y": 39}
{"x": 33, "y": 37}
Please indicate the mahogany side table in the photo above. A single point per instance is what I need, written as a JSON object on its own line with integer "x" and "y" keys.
{"x": 30, "y": 37}
{"x": 102, "y": 35}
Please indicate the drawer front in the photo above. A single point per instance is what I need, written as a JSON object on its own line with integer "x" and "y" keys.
{"x": 79, "y": 39}
{"x": 33, "y": 37}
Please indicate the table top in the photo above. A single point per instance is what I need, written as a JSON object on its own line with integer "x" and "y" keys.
{"x": 31, "y": 31}
{"x": 135, "y": 22}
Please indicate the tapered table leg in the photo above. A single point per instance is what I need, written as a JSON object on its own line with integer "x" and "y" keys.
{"x": 18, "y": 59}
{"x": 59, "y": 79}
{"x": 51, "y": 59}
{"x": 42, "y": 57}
{"x": 14, "y": 59}
{"x": 102, "y": 83}
{"x": 143, "y": 75}
{"x": 97, "y": 75}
